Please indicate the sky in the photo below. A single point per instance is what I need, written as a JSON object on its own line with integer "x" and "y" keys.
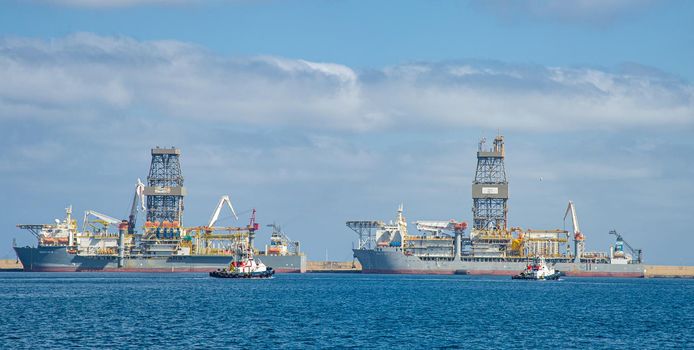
{"x": 319, "y": 112}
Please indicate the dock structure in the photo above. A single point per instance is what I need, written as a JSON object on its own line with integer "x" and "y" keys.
{"x": 664, "y": 271}
{"x": 333, "y": 267}
{"x": 13, "y": 265}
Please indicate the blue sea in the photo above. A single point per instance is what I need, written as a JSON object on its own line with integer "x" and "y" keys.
{"x": 164, "y": 311}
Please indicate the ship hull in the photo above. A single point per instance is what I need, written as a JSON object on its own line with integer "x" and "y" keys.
{"x": 386, "y": 261}
{"x": 57, "y": 259}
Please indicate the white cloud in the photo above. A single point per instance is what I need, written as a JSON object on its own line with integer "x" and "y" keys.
{"x": 90, "y": 77}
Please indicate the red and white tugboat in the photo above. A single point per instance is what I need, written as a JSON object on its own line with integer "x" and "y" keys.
{"x": 249, "y": 268}
{"x": 538, "y": 270}
{"x": 243, "y": 265}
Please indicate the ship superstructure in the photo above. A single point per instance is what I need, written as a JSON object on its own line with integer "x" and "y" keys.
{"x": 491, "y": 246}
{"x": 280, "y": 243}
{"x": 162, "y": 244}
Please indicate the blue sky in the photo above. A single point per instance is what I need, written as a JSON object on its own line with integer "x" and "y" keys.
{"x": 316, "y": 112}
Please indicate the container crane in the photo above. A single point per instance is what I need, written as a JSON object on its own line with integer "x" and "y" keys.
{"x": 634, "y": 252}
{"x": 578, "y": 236}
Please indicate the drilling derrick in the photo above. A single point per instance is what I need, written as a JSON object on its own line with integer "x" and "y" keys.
{"x": 165, "y": 189}
{"x": 490, "y": 188}
{"x": 489, "y": 200}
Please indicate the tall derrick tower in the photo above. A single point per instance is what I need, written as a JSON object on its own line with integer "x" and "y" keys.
{"x": 164, "y": 188}
{"x": 490, "y": 188}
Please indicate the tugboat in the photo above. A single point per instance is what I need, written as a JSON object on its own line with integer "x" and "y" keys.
{"x": 244, "y": 266}
{"x": 244, "y": 269}
{"x": 538, "y": 270}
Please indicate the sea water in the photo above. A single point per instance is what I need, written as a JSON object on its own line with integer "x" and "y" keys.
{"x": 141, "y": 310}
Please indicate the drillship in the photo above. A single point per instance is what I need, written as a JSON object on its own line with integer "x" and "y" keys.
{"x": 162, "y": 245}
{"x": 490, "y": 247}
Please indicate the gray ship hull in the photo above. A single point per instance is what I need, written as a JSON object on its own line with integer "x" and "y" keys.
{"x": 57, "y": 259}
{"x": 389, "y": 260}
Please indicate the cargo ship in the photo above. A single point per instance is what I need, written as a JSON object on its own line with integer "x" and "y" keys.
{"x": 163, "y": 244}
{"x": 490, "y": 247}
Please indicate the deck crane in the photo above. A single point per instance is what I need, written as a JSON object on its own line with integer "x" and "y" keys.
{"x": 437, "y": 228}
{"x": 252, "y": 224}
{"x": 103, "y": 218}
{"x": 634, "y": 252}
{"x": 215, "y": 215}
{"x": 139, "y": 194}
{"x": 252, "y": 227}
{"x": 578, "y": 236}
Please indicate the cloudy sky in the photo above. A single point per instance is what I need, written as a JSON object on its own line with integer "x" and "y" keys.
{"x": 318, "y": 112}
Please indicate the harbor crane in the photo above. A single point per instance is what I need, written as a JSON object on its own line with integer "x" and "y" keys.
{"x": 578, "y": 236}
{"x": 634, "y": 252}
